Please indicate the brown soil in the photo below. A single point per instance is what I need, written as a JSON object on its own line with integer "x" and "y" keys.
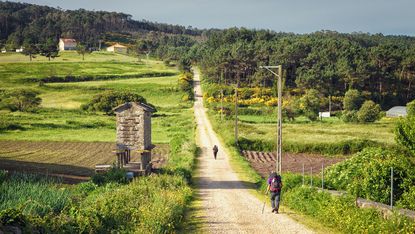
{"x": 71, "y": 161}
{"x": 264, "y": 162}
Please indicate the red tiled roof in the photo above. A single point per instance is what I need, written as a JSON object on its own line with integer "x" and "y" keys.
{"x": 68, "y": 40}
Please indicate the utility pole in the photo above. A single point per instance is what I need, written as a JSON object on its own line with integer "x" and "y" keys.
{"x": 278, "y": 165}
{"x": 221, "y": 97}
{"x": 236, "y": 110}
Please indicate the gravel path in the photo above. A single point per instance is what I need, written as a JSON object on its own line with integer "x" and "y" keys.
{"x": 228, "y": 207}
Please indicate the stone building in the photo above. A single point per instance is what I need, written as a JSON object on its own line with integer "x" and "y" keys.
{"x": 134, "y": 129}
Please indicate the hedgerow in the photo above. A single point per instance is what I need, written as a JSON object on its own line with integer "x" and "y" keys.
{"x": 342, "y": 214}
{"x": 367, "y": 175}
{"x": 341, "y": 147}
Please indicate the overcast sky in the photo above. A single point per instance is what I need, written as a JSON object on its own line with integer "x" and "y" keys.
{"x": 299, "y": 16}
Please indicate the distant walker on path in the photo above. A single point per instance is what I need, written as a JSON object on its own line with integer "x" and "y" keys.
{"x": 215, "y": 151}
{"x": 274, "y": 186}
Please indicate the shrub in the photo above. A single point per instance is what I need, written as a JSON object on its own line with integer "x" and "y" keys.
{"x": 367, "y": 174}
{"x": 410, "y": 107}
{"x": 22, "y": 100}
{"x": 108, "y": 100}
{"x": 186, "y": 85}
{"x": 310, "y": 104}
{"x": 342, "y": 147}
{"x": 369, "y": 112}
{"x": 352, "y": 100}
{"x": 349, "y": 116}
{"x": 405, "y": 133}
{"x": 408, "y": 199}
{"x": 114, "y": 175}
{"x": 341, "y": 213}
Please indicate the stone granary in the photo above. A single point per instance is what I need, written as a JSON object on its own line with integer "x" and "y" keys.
{"x": 134, "y": 132}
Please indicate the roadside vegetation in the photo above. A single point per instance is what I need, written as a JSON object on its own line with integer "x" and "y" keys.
{"x": 366, "y": 174}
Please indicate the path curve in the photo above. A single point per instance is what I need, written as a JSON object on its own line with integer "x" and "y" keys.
{"x": 228, "y": 206}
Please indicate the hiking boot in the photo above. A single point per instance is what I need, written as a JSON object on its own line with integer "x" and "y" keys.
{"x": 273, "y": 210}
{"x": 276, "y": 212}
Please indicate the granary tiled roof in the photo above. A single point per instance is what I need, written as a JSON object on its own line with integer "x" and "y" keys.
{"x": 128, "y": 105}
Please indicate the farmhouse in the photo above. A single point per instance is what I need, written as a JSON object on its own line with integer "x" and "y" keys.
{"x": 67, "y": 44}
{"x": 118, "y": 48}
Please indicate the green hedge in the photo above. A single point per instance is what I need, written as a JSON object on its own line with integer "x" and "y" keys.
{"x": 342, "y": 214}
{"x": 71, "y": 78}
{"x": 367, "y": 175}
{"x": 342, "y": 147}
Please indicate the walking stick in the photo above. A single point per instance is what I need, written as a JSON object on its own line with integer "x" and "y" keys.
{"x": 263, "y": 207}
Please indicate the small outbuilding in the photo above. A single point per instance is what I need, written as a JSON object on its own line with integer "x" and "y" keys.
{"x": 134, "y": 131}
{"x": 396, "y": 111}
{"x": 118, "y": 48}
{"x": 325, "y": 114}
{"x": 67, "y": 44}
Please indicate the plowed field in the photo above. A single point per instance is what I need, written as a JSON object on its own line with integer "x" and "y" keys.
{"x": 264, "y": 162}
{"x": 69, "y": 160}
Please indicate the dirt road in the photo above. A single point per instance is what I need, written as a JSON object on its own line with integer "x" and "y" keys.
{"x": 228, "y": 207}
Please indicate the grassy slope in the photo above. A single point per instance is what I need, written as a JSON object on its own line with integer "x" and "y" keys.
{"x": 62, "y": 120}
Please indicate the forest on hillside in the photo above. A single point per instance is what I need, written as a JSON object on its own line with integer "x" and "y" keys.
{"x": 20, "y": 22}
{"x": 381, "y": 67}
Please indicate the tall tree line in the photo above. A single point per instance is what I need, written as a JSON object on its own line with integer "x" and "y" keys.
{"x": 382, "y": 67}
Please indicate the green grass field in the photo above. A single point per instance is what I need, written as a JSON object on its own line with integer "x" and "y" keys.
{"x": 14, "y": 72}
{"x": 69, "y": 56}
{"x": 60, "y": 118}
{"x": 327, "y": 131}
{"x": 330, "y": 136}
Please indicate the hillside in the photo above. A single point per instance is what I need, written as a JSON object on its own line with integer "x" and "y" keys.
{"x": 23, "y": 21}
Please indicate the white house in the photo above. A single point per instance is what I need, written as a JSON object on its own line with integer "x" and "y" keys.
{"x": 20, "y": 50}
{"x": 118, "y": 48}
{"x": 67, "y": 44}
{"x": 397, "y": 111}
{"x": 324, "y": 114}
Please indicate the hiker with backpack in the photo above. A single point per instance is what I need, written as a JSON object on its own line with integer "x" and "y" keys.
{"x": 215, "y": 151}
{"x": 274, "y": 186}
